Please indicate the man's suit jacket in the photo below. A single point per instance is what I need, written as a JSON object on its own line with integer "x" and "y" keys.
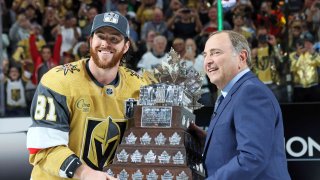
{"x": 245, "y": 139}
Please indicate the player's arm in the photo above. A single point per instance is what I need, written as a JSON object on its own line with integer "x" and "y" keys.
{"x": 48, "y": 136}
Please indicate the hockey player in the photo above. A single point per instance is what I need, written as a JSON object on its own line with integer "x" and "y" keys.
{"x": 80, "y": 110}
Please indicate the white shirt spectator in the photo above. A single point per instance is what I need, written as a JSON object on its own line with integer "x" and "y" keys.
{"x": 150, "y": 61}
{"x": 68, "y": 39}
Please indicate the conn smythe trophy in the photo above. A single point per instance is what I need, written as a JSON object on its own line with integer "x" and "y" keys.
{"x": 157, "y": 145}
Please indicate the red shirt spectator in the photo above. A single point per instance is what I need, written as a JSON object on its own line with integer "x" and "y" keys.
{"x": 44, "y": 61}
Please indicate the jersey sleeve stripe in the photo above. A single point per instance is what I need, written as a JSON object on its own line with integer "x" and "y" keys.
{"x": 33, "y": 150}
{"x": 42, "y": 137}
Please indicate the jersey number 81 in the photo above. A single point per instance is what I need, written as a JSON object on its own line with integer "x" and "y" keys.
{"x": 42, "y": 102}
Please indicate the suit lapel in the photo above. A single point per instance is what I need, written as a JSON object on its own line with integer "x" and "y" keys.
{"x": 222, "y": 106}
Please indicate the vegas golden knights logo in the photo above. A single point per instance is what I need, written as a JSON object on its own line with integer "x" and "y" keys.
{"x": 101, "y": 141}
{"x": 15, "y": 94}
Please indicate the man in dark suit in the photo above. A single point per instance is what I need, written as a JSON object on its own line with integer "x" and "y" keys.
{"x": 245, "y": 139}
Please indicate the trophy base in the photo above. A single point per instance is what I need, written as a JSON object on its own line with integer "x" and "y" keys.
{"x": 157, "y": 145}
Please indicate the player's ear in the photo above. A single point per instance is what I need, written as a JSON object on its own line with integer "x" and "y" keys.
{"x": 126, "y": 45}
{"x": 90, "y": 40}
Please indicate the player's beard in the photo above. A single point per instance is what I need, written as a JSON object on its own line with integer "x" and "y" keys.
{"x": 104, "y": 64}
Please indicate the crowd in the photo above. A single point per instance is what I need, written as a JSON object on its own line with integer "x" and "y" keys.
{"x": 38, "y": 35}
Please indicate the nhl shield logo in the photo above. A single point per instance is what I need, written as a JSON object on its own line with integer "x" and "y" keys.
{"x": 129, "y": 105}
{"x": 109, "y": 91}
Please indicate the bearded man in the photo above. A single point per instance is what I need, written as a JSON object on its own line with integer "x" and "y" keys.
{"x": 80, "y": 110}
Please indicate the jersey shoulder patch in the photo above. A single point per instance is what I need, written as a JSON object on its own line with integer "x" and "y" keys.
{"x": 62, "y": 77}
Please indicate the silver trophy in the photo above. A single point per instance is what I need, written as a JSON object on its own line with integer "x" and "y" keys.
{"x": 177, "y": 85}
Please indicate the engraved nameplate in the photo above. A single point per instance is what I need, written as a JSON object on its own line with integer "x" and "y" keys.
{"x": 156, "y": 116}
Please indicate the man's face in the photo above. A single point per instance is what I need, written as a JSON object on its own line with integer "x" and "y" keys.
{"x": 157, "y": 16}
{"x": 212, "y": 14}
{"x": 221, "y": 63}
{"x": 107, "y": 47}
{"x": 159, "y": 45}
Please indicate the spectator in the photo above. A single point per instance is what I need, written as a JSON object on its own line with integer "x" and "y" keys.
{"x": 133, "y": 5}
{"x": 157, "y": 24}
{"x": 23, "y": 49}
{"x": 50, "y": 20}
{"x": 203, "y": 10}
{"x": 5, "y": 69}
{"x": 185, "y": 23}
{"x": 179, "y": 46}
{"x": 270, "y": 18}
{"x": 45, "y": 61}
{"x": 239, "y": 26}
{"x": 146, "y": 46}
{"x": 90, "y": 14}
{"x": 58, "y": 5}
{"x": 304, "y": 64}
{"x": 267, "y": 62}
{"x": 134, "y": 36}
{"x": 153, "y": 58}
{"x": 294, "y": 34}
{"x": 246, "y": 10}
{"x": 33, "y": 14}
{"x": 67, "y": 58}
{"x": 16, "y": 103}
{"x": 19, "y": 30}
{"x": 194, "y": 60}
{"x": 15, "y": 9}
{"x": 210, "y": 27}
{"x": 122, "y": 7}
{"x": 145, "y": 11}
{"x": 70, "y": 32}
{"x": 313, "y": 18}
{"x": 192, "y": 57}
{"x": 174, "y": 6}
{"x": 80, "y": 50}
{"x": 5, "y": 44}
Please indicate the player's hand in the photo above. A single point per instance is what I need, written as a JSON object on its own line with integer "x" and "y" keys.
{"x": 110, "y": 177}
{"x": 84, "y": 172}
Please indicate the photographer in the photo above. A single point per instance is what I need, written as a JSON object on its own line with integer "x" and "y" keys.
{"x": 266, "y": 61}
{"x": 185, "y": 23}
{"x": 304, "y": 64}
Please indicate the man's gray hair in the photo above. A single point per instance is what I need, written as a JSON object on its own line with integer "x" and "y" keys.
{"x": 238, "y": 41}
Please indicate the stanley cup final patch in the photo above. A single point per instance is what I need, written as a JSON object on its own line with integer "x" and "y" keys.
{"x": 111, "y": 17}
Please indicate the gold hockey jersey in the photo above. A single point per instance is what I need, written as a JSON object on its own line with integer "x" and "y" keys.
{"x": 74, "y": 114}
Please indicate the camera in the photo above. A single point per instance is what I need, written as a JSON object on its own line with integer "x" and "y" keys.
{"x": 263, "y": 38}
{"x": 185, "y": 11}
{"x": 300, "y": 43}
